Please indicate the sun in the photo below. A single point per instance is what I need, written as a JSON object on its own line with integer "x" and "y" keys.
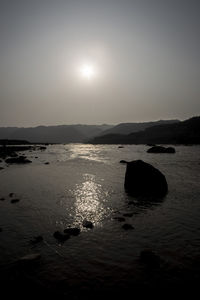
{"x": 87, "y": 71}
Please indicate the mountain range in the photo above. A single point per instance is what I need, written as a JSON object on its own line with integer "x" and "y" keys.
{"x": 73, "y": 133}
{"x": 179, "y": 132}
{"x": 162, "y": 132}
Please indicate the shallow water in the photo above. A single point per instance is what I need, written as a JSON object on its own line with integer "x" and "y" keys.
{"x": 86, "y": 182}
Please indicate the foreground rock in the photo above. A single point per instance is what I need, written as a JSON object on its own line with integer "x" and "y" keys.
{"x": 18, "y": 160}
{"x": 72, "y": 231}
{"x": 142, "y": 179}
{"x": 161, "y": 149}
{"x": 87, "y": 224}
{"x": 60, "y": 236}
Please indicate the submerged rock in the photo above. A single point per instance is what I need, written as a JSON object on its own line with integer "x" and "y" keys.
{"x": 127, "y": 226}
{"x": 87, "y": 224}
{"x": 142, "y": 179}
{"x": 161, "y": 149}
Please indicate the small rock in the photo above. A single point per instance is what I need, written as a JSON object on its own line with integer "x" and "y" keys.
{"x": 88, "y": 224}
{"x": 127, "y": 226}
{"x": 43, "y": 148}
{"x": 2, "y": 199}
{"x": 36, "y": 156}
{"x": 1, "y": 229}
{"x": 161, "y": 149}
{"x": 60, "y": 236}
{"x": 72, "y": 231}
{"x": 120, "y": 219}
{"x": 128, "y": 215}
{"x": 14, "y": 200}
{"x": 11, "y": 194}
{"x": 1, "y": 168}
{"x": 120, "y": 146}
{"x": 46, "y": 163}
{"x": 123, "y": 161}
{"x": 149, "y": 258}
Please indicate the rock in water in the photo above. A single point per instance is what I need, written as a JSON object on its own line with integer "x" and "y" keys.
{"x": 87, "y": 224}
{"x": 18, "y": 160}
{"x": 161, "y": 149}
{"x": 142, "y": 179}
{"x": 60, "y": 236}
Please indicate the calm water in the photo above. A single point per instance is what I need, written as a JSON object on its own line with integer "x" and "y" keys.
{"x": 86, "y": 181}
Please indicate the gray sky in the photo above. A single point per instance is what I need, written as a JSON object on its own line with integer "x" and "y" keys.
{"x": 145, "y": 55}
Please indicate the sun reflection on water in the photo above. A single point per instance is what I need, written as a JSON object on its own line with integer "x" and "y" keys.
{"x": 89, "y": 203}
{"x": 89, "y": 152}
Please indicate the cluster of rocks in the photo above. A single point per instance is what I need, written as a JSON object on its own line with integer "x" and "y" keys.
{"x": 13, "y": 200}
{"x": 9, "y": 153}
{"x": 121, "y": 218}
{"x": 18, "y": 160}
{"x": 71, "y": 231}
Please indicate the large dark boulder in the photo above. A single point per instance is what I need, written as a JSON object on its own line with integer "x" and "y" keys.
{"x": 142, "y": 179}
{"x": 161, "y": 149}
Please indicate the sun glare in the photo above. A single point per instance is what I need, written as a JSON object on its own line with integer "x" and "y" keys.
{"x": 87, "y": 71}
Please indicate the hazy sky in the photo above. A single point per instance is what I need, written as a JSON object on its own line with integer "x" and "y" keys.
{"x": 145, "y": 55}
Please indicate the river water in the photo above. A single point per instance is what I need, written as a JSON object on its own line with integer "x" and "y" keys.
{"x": 85, "y": 181}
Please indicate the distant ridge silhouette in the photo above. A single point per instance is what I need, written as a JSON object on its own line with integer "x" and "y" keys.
{"x": 53, "y": 134}
{"x": 77, "y": 133}
{"x": 183, "y": 132}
